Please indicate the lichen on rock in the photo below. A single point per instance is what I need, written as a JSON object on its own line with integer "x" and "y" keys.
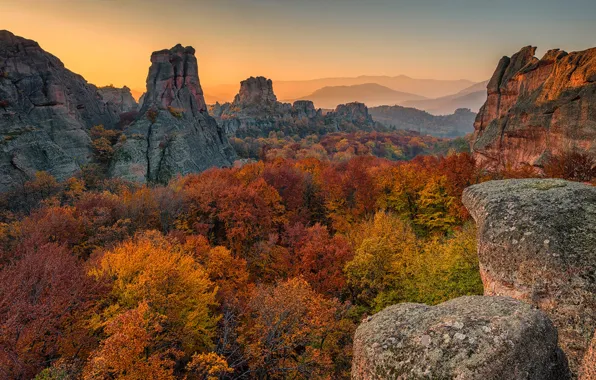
{"x": 537, "y": 243}
{"x": 472, "y": 337}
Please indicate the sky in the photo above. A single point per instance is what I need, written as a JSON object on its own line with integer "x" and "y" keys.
{"x": 110, "y": 41}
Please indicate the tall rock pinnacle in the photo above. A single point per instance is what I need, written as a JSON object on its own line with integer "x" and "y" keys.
{"x": 174, "y": 133}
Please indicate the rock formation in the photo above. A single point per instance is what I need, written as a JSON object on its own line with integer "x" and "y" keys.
{"x": 256, "y": 112}
{"x": 459, "y": 123}
{"x": 537, "y": 108}
{"x": 174, "y": 133}
{"x": 537, "y": 243}
{"x": 46, "y": 112}
{"x": 485, "y": 338}
{"x": 120, "y": 98}
{"x": 255, "y": 92}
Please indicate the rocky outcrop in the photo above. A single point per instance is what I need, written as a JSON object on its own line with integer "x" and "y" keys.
{"x": 537, "y": 243}
{"x": 537, "y": 108}
{"x": 255, "y": 112}
{"x": 256, "y": 92}
{"x": 46, "y": 112}
{"x": 120, "y": 98}
{"x": 459, "y": 123}
{"x": 485, "y": 338}
{"x": 353, "y": 112}
{"x": 174, "y": 133}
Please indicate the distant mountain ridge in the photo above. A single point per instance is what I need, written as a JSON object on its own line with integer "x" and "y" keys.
{"x": 428, "y": 88}
{"x": 371, "y": 94}
{"x": 472, "y": 97}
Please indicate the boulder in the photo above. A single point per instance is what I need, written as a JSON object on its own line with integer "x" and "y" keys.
{"x": 537, "y": 243}
{"x": 174, "y": 133}
{"x": 475, "y": 337}
{"x": 537, "y": 108}
{"x": 46, "y": 112}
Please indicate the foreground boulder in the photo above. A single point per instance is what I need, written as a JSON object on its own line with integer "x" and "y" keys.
{"x": 537, "y": 108}
{"x": 46, "y": 112}
{"x": 537, "y": 243}
{"x": 174, "y": 133}
{"x": 466, "y": 338}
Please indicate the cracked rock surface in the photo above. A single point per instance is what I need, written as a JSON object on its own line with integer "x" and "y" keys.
{"x": 46, "y": 112}
{"x": 466, "y": 338}
{"x": 174, "y": 133}
{"x": 537, "y": 108}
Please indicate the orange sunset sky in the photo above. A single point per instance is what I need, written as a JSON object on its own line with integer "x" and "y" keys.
{"x": 109, "y": 41}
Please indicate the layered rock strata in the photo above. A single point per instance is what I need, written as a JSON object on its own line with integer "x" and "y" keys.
{"x": 537, "y": 108}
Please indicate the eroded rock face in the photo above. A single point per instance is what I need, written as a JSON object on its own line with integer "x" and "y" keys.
{"x": 537, "y": 108}
{"x": 120, "y": 98}
{"x": 256, "y": 112}
{"x": 256, "y": 92}
{"x": 353, "y": 112}
{"x": 473, "y": 337}
{"x": 174, "y": 133}
{"x": 537, "y": 243}
{"x": 46, "y": 112}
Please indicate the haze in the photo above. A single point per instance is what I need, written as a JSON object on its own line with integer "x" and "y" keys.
{"x": 109, "y": 42}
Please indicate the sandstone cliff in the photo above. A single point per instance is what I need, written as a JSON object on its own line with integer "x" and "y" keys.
{"x": 120, "y": 98}
{"x": 537, "y": 108}
{"x": 174, "y": 133}
{"x": 256, "y": 112}
{"x": 46, "y": 112}
{"x": 537, "y": 243}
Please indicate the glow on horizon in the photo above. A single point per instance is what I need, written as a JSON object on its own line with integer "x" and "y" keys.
{"x": 109, "y": 42}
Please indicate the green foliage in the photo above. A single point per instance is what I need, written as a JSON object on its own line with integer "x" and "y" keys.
{"x": 445, "y": 268}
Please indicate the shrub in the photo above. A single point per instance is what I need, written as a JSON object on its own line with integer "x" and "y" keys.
{"x": 176, "y": 112}
{"x": 152, "y": 115}
{"x": 575, "y": 165}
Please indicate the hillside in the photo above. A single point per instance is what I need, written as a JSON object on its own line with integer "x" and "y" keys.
{"x": 459, "y": 123}
{"x": 371, "y": 94}
{"x": 472, "y": 97}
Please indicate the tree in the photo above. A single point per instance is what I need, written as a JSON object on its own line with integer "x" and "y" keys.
{"x": 435, "y": 206}
{"x": 286, "y": 329}
{"x": 126, "y": 353}
{"x": 384, "y": 251}
{"x": 41, "y": 296}
{"x": 319, "y": 258}
{"x": 152, "y": 269}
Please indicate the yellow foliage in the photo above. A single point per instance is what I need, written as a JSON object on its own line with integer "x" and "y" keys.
{"x": 125, "y": 353}
{"x": 209, "y": 366}
{"x": 150, "y": 268}
{"x": 385, "y": 248}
